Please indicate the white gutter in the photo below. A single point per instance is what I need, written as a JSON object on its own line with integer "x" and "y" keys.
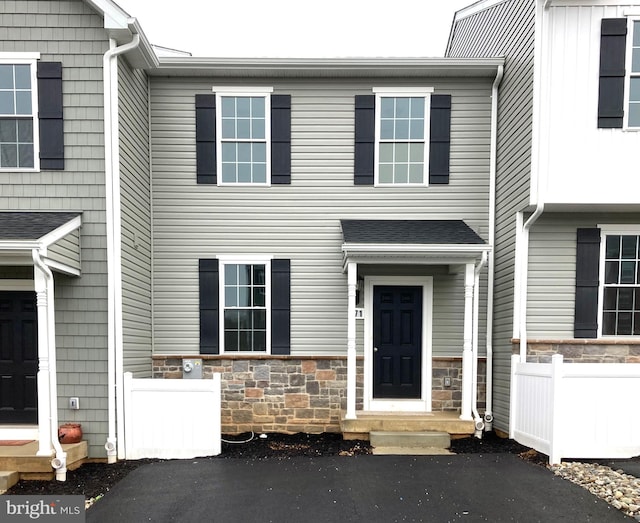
{"x": 477, "y": 419}
{"x": 60, "y": 461}
{"x": 493, "y": 160}
{"x": 114, "y": 267}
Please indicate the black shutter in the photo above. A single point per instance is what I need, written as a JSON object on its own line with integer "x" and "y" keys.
{"x": 280, "y": 306}
{"x": 206, "y": 138}
{"x": 439, "y": 139}
{"x": 365, "y": 136}
{"x": 587, "y": 283}
{"x": 281, "y": 139}
{"x": 613, "y": 43}
{"x": 209, "y": 298}
{"x": 50, "y": 115}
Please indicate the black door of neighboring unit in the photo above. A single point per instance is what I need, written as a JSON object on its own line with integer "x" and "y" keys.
{"x": 18, "y": 357}
{"x": 397, "y": 342}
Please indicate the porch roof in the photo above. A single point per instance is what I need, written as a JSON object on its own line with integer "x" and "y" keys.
{"x": 445, "y": 242}
{"x": 54, "y": 234}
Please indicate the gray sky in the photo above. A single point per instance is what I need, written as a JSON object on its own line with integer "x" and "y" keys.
{"x": 295, "y": 28}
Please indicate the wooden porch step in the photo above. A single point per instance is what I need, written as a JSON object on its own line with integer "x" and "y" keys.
{"x": 8, "y": 478}
{"x": 23, "y": 459}
{"x": 367, "y": 422}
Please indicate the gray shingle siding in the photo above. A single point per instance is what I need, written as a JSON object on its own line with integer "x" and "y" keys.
{"x": 71, "y": 32}
{"x": 506, "y": 29}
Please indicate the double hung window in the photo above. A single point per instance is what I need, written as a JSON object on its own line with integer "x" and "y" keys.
{"x": 621, "y": 284}
{"x": 18, "y": 110}
{"x": 245, "y": 297}
{"x": 402, "y": 137}
{"x": 243, "y": 124}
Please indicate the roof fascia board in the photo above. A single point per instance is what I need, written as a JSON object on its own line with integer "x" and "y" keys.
{"x": 472, "y": 67}
{"x": 475, "y": 8}
{"x": 114, "y": 16}
{"x": 60, "y": 232}
{"x": 19, "y": 245}
{"x": 415, "y": 248}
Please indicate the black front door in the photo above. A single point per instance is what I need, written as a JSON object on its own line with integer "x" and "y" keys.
{"x": 397, "y": 342}
{"x": 18, "y": 357}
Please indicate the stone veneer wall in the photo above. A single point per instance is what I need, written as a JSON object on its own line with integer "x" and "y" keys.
{"x": 291, "y": 394}
{"x": 582, "y": 351}
{"x": 450, "y": 398}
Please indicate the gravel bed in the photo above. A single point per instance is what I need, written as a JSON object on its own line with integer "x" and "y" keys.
{"x": 613, "y": 486}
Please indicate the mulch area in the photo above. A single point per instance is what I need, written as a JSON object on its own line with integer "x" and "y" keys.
{"x": 95, "y": 479}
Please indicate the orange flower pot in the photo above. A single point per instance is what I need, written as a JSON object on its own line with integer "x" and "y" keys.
{"x": 70, "y": 433}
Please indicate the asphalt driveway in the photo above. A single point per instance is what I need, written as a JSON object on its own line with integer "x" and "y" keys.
{"x": 468, "y": 487}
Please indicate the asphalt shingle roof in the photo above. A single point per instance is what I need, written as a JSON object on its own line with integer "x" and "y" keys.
{"x": 31, "y": 225}
{"x": 443, "y": 232}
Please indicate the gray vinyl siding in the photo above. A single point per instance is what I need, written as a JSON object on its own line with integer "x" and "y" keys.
{"x": 552, "y": 270}
{"x": 301, "y": 221}
{"x": 506, "y": 29}
{"x": 67, "y": 250}
{"x": 72, "y": 33}
{"x": 135, "y": 189}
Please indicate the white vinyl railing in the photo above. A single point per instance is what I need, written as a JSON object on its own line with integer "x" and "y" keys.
{"x": 576, "y": 410}
{"x": 171, "y": 418}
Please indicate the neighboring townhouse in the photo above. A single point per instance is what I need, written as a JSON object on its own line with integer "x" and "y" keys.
{"x": 567, "y": 272}
{"x": 315, "y": 230}
{"x": 75, "y": 278}
{"x": 320, "y": 229}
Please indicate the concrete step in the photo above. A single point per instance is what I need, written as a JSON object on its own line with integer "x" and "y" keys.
{"x": 8, "y": 478}
{"x": 410, "y": 451}
{"x": 412, "y": 440}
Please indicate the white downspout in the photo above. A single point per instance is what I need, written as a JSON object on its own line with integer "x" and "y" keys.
{"x": 60, "y": 461}
{"x": 113, "y": 218}
{"x": 477, "y": 419}
{"x": 493, "y": 160}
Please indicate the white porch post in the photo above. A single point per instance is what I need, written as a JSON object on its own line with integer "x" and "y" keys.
{"x": 352, "y": 272}
{"x": 467, "y": 363}
{"x": 44, "y": 411}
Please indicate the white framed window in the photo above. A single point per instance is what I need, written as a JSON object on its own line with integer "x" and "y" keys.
{"x": 18, "y": 112}
{"x": 402, "y": 136}
{"x": 245, "y": 295}
{"x": 243, "y": 125}
{"x": 619, "y": 301}
{"x": 632, "y": 92}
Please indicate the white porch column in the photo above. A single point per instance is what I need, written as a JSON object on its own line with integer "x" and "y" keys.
{"x": 467, "y": 361}
{"x": 352, "y": 273}
{"x": 44, "y": 411}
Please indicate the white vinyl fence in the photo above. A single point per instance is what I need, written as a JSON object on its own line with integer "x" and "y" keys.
{"x": 576, "y": 410}
{"x": 171, "y": 418}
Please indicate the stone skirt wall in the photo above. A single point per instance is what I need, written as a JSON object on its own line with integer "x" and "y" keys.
{"x": 291, "y": 394}
{"x": 582, "y": 350}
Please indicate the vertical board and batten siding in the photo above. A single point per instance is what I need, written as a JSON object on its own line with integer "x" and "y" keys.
{"x": 505, "y": 29}
{"x": 552, "y": 270}
{"x": 135, "y": 191}
{"x": 300, "y": 221}
{"x": 72, "y": 33}
{"x": 576, "y": 152}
